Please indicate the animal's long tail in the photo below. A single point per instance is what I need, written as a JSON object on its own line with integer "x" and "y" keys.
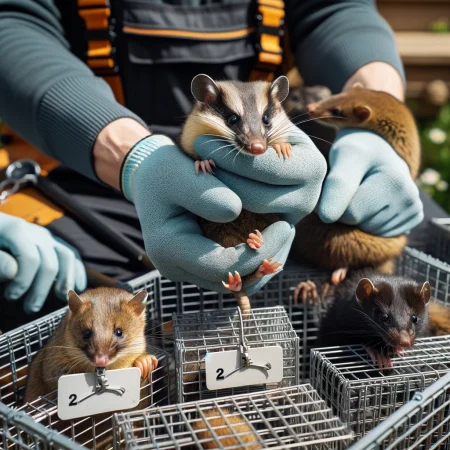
{"x": 243, "y": 303}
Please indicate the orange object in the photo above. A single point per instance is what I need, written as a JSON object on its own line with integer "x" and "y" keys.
{"x": 99, "y": 49}
{"x": 95, "y": 18}
{"x": 28, "y": 203}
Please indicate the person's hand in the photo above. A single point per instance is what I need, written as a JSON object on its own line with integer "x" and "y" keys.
{"x": 161, "y": 181}
{"x": 34, "y": 261}
{"x": 369, "y": 186}
{"x": 269, "y": 184}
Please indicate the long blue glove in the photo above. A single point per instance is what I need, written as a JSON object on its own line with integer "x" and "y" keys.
{"x": 369, "y": 186}
{"x": 161, "y": 181}
{"x": 34, "y": 260}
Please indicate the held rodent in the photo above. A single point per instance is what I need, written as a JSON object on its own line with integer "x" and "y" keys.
{"x": 250, "y": 118}
{"x": 338, "y": 246}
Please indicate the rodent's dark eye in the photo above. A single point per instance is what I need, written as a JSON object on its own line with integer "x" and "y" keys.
{"x": 265, "y": 119}
{"x": 414, "y": 318}
{"x": 336, "y": 112}
{"x": 233, "y": 119}
{"x": 384, "y": 317}
{"x": 87, "y": 334}
{"x": 118, "y": 332}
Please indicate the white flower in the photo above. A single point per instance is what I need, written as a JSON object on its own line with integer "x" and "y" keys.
{"x": 442, "y": 185}
{"x": 437, "y": 135}
{"x": 430, "y": 177}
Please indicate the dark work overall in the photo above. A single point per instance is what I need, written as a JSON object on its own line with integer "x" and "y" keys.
{"x": 158, "y": 47}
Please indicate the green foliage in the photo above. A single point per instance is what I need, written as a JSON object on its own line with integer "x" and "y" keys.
{"x": 440, "y": 26}
{"x": 435, "y": 139}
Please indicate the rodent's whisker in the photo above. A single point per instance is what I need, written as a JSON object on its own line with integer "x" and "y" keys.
{"x": 378, "y": 326}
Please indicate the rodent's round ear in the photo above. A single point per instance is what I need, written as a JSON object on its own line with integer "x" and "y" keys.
{"x": 204, "y": 89}
{"x": 137, "y": 303}
{"x": 362, "y": 112}
{"x": 280, "y": 88}
{"x": 75, "y": 302}
{"x": 425, "y": 292}
{"x": 364, "y": 290}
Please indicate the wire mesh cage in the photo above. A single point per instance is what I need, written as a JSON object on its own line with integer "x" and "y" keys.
{"x": 196, "y": 335}
{"x": 421, "y": 424}
{"x": 292, "y": 417}
{"x": 361, "y": 395}
{"x": 439, "y": 246}
{"x": 36, "y": 425}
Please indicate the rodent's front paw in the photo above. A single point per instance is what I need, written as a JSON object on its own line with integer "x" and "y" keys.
{"x": 383, "y": 362}
{"x": 146, "y": 364}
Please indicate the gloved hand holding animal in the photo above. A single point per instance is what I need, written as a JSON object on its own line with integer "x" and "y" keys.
{"x": 219, "y": 211}
{"x": 369, "y": 200}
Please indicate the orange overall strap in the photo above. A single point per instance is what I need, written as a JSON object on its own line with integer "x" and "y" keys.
{"x": 270, "y": 31}
{"x": 100, "y": 54}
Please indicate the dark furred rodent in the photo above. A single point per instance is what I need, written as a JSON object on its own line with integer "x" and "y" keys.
{"x": 339, "y": 246}
{"x": 250, "y": 118}
{"x": 385, "y": 313}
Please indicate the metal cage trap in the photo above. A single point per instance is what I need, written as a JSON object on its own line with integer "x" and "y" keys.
{"x": 361, "y": 395}
{"x": 292, "y": 417}
{"x": 421, "y": 424}
{"x": 36, "y": 425}
{"x": 197, "y": 335}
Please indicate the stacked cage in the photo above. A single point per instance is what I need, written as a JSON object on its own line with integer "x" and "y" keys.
{"x": 294, "y": 417}
{"x": 196, "y": 335}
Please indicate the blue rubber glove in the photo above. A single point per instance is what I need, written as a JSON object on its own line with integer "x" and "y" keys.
{"x": 161, "y": 182}
{"x": 369, "y": 186}
{"x": 34, "y": 261}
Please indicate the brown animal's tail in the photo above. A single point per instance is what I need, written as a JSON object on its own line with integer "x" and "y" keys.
{"x": 227, "y": 434}
{"x": 333, "y": 246}
{"x": 438, "y": 319}
{"x": 243, "y": 303}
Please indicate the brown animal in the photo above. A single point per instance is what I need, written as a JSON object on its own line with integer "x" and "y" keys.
{"x": 104, "y": 327}
{"x": 249, "y": 116}
{"x": 338, "y": 246}
{"x": 227, "y": 434}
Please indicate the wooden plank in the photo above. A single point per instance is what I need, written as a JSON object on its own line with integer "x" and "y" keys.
{"x": 422, "y": 48}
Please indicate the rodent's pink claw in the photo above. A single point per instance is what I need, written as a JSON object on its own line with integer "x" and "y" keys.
{"x": 378, "y": 359}
{"x": 267, "y": 267}
{"x": 205, "y": 166}
{"x": 339, "y": 275}
{"x": 308, "y": 290}
{"x": 146, "y": 363}
{"x": 282, "y": 149}
{"x": 234, "y": 282}
{"x": 255, "y": 240}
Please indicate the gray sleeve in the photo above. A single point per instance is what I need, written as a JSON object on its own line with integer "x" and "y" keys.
{"x": 331, "y": 40}
{"x": 47, "y": 95}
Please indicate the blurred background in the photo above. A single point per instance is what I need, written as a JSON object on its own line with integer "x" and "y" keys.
{"x": 422, "y": 29}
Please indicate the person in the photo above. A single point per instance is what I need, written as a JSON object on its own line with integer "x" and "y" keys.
{"x": 110, "y": 149}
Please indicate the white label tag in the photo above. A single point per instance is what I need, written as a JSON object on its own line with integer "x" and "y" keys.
{"x": 72, "y": 389}
{"x": 219, "y": 368}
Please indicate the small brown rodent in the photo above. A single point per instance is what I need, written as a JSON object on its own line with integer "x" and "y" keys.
{"x": 385, "y": 313}
{"x": 227, "y": 434}
{"x": 249, "y": 116}
{"x": 338, "y": 246}
{"x": 104, "y": 327}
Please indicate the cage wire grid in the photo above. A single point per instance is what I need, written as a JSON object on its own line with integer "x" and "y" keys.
{"x": 439, "y": 246}
{"x": 218, "y": 331}
{"x": 293, "y": 417}
{"x": 165, "y": 297}
{"x": 360, "y": 394}
{"x": 423, "y": 423}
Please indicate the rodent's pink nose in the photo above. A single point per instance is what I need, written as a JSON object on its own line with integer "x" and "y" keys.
{"x": 310, "y": 108}
{"x": 101, "y": 360}
{"x": 404, "y": 340}
{"x": 257, "y": 148}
